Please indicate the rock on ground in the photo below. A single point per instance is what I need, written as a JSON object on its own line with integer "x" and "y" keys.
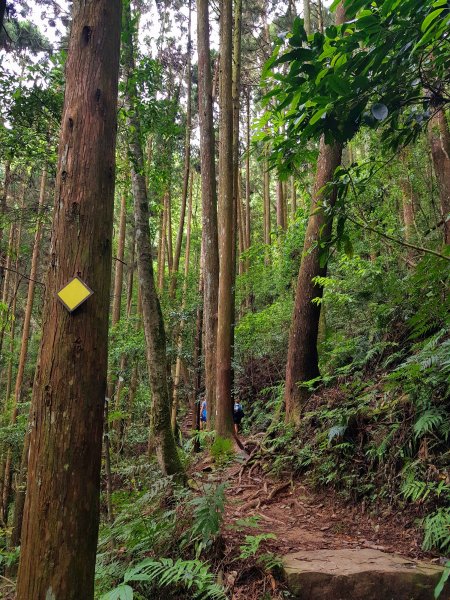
{"x": 360, "y": 575}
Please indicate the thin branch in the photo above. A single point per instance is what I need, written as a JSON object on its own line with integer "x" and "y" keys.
{"x": 397, "y": 241}
{"x": 22, "y": 275}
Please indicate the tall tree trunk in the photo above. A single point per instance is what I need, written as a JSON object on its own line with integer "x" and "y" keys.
{"x": 131, "y": 267}
{"x": 115, "y": 318}
{"x": 197, "y": 361}
{"x": 439, "y": 139}
{"x": 293, "y": 198}
{"x": 247, "y": 180}
{"x": 307, "y": 16}
{"x": 4, "y": 498}
{"x": 177, "y": 377}
{"x": 155, "y": 336}
{"x": 209, "y": 207}
{"x": 281, "y": 222}
{"x": 224, "y": 424}
{"x": 162, "y": 246}
{"x": 237, "y": 221}
{"x": 187, "y": 163}
{"x": 320, "y": 15}
{"x": 25, "y": 330}
{"x": 2, "y": 12}
{"x": 266, "y": 198}
{"x": 3, "y": 201}
{"x": 302, "y": 360}
{"x": 169, "y": 248}
{"x": 118, "y": 274}
{"x": 61, "y": 515}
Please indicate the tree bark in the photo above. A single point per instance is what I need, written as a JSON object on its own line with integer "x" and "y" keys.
{"x": 293, "y": 198}
{"x": 187, "y": 163}
{"x": 209, "y": 207}
{"x": 115, "y": 318}
{"x": 61, "y": 514}
{"x": 247, "y": 180}
{"x": 303, "y": 360}
{"x": 266, "y": 199}
{"x": 3, "y": 201}
{"x": 307, "y": 16}
{"x": 224, "y": 425}
{"x": 162, "y": 245}
{"x": 178, "y": 365}
{"x": 155, "y": 336}
{"x": 118, "y": 275}
{"x": 439, "y": 139}
{"x": 281, "y": 222}
{"x": 25, "y": 331}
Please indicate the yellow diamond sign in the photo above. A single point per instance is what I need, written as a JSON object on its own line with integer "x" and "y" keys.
{"x": 74, "y": 293}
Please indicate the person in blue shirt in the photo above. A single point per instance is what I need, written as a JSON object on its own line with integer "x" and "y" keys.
{"x": 203, "y": 414}
{"x": 238, "y": 414}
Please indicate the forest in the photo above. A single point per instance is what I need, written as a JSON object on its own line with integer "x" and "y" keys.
{"x": 224, "y": 299}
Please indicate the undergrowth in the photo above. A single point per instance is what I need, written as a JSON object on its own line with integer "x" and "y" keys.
{"x": 376, "y": 427}
{"x": 161, "y": 542}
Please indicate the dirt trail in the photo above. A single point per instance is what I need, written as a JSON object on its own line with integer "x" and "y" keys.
{"x": 301, "y": 520}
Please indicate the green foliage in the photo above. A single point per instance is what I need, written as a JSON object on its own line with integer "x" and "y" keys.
{"x": 440, "y": 586}
{"x": 222, "y": 451}
{"x": 161, "y": 522}
{"x": 190, "y": 577}
{"x": 252, "y": 543}
{"x": 208, "y": 515}
{"x": 367, "y": 72}
{"x": 437, "y": 530}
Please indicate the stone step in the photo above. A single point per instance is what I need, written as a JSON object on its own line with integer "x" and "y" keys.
{"x": 364, "y": 574}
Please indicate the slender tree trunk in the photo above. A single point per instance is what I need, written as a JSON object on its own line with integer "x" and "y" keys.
{"x": 162, "y": 248}
{"x": 161, "y": 431}
{"x": 118, "y": 276}
{"x": 209, "y": 207}
{"x": 439, "y": 139}
{"x": 247, "y": 180}
{"x": 161, "y": 243}
{"x": 224, "y": 424}
{"x": 61, "y": 515}
{"x": 407, "y": 210}
{"x": 237, "y": 222}
{"x": 240, "y": 225}
{"x": 3, "y": 201}
{"x": 307, "y": 16}
{"x": 25, "y": 331}
{"x": 131, "y": 267}
{"x": 6, "y": 283}
{"x": 197, "y": 361}
{"x": 177, "y": 378}
{"x": 302, "y": 360}
{"x": 4, "y": 498}
{"x": 115, "y": 318}
{"x": 169, "y": 248}
{"x": 2, "y": 12}
{"x": 266, "y": 200}
{"x": 281, "y": 212}
{"x": 293, "y": 198}
{"x": 187, "y": 162}
{"x": 320, "y": 15}
{"x": 22, "y": 204}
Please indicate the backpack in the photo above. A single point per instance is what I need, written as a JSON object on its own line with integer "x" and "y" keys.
{"x": 237, "y": 409}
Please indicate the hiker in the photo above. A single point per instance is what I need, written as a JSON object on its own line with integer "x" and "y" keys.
{"x": 238, "y": 414}
{"x": 203, "y": 415}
